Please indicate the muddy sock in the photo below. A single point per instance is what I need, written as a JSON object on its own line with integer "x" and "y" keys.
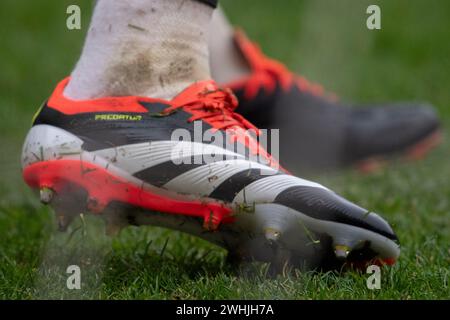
{"x": 153, "y": 48}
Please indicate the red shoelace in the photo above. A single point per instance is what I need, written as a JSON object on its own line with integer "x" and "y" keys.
{"x": 215, "y": 107}
{"x": 268, "y": 72}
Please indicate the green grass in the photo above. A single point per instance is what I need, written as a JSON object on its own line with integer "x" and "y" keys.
{"x": 325, "y": 40}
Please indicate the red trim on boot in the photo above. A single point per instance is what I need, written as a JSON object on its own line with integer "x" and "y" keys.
{"x": 103, "y": 187}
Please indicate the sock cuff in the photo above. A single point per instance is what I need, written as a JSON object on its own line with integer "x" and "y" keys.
{"x": 212, "y": 3}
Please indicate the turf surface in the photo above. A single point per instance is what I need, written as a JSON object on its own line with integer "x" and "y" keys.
{"x": 409, "y": 59}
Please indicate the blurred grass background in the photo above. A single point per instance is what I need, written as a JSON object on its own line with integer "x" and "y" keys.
{"x": 325, "y": 40}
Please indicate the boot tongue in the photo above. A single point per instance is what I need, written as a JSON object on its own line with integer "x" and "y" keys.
{"x": 192, "y": 92}
{"x": 205, "y": 100}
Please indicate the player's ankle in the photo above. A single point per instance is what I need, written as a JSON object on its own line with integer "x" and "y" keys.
{"x": 227, "y": 63}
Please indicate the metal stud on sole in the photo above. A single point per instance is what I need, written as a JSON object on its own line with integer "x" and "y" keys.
{"x": 46, "y": 195}
{"x": 341, "y": 251}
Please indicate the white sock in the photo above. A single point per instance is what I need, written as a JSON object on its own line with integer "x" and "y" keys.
{"x": 227, "y": 63}
{"x": 153, "y": 48}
